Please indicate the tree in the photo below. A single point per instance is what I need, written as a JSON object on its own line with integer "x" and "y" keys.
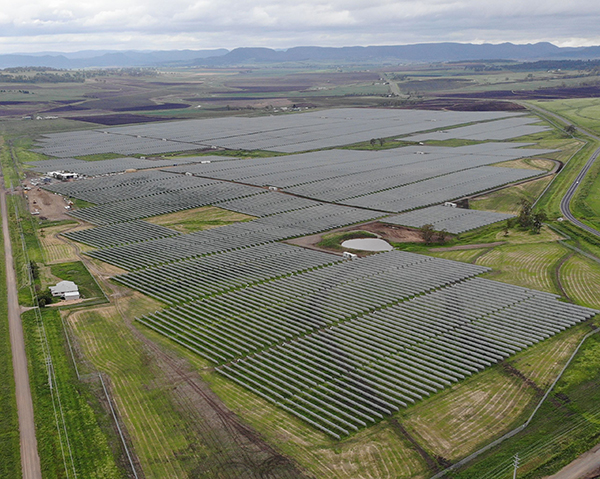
{"x": 443, "y": 236}
{"x": 372, "y": 142}
{"x": 34, "y": 269}
{"x": 524, "y": 218}
{"x": 381, "y": 141}
{"x": 509, "y": 224}
{"x": 537, "y": 221}
{"x": 44, "y": 298}
{"x": 427, "y": 233}
{"x": 571, "y": 129}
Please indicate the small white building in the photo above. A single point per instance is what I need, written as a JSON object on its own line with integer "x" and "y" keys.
{"x": 66, "y": 290}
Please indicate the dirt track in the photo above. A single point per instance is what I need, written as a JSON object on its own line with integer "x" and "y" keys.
{"x": 587, "y": 466}
{"x": 30, "y": 461}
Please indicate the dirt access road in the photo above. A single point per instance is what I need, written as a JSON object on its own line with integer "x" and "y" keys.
{"x": 587, "y": 466}
{"x": 30, "y": 461}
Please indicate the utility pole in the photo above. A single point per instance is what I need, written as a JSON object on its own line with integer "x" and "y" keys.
{"x": 516, "y": 464}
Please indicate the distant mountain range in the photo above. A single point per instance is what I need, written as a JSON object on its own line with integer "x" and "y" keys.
{"x": 431, "y": 52}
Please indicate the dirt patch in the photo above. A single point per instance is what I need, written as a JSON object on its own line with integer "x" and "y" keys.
{"x": 391, "y": 233}
{"x": 49, "y": 205}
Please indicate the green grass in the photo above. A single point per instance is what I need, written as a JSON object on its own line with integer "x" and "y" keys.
{"x": 198, "y": 219}
{"x": 565, "y": 426}
{"x": 78, "y": 273}
{"x": 584, "y": 112}
{"x": 79, "y": 204}
{"x": 586, "y": 204}
{"x": 10, "y": 458}
{"x": 88, "y": 427}
{"x": 100, "y": 157}
{"x": 507, "y": 200}
{"x": 166, "y": 441}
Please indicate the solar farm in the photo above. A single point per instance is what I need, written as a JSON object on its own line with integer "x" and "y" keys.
{"x": 340, "y": 344}
{"x": 285, "y": 134}
{"x": 343, "y": 346}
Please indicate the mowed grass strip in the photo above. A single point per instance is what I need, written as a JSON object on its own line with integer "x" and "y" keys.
{"x": 581, "y": 279}
{"x": 527, "y": 265}
{"x": 567, "y": 425}
{"x": 469, "y": 414}
{"x": 56, "y": 250}
{"x": 544, "y": 362}
{"x": 464, "y": 255}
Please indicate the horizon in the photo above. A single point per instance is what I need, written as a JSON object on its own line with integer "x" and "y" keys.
{"x": 65, "y": 25}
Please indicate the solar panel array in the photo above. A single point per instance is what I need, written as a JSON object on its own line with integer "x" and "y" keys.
{"x": 343, "y": 346}
{"x": 342, "y": 175}
{"x": 339, "y": 344}
{"x": 453, "y": 220}
{"x": 211, "y": 193}
{"x": 321, "y": 217}
{"x": 284, "y": 133}
{"x": 303, "y": 303}
{"x": 121, "y": 187}
{"x": 441, "y": 189}
{"x": 492, "y": 130}
{"x": 121, "y": 233}
{"x": 105, "y": 167}
{"x": 351, "y": 374}
{"x": 268, "y": 204}
{"x": 191, "y": 280}
{"x": 94, "y": 142}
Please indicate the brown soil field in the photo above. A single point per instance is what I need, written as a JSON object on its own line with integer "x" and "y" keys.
{"x": 50, "y": 206}
{"x": 460, "y": 104}
{"x": 119, "y": 119}
{"x": 541, "y": 94}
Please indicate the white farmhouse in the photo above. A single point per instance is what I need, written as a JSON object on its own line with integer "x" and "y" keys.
{"x": 66, "y": 290}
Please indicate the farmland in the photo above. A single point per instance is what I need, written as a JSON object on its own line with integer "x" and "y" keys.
{"x": 229, "y": 353}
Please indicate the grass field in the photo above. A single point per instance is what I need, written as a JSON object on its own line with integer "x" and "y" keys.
{"x": 73, "y": 432}
{"x": 139, "y": 389}
{"x": 465, "y": 416}
{"x": 56, "y": 250}
{"x": 198, "y": 219}
{"x": 78, "y": 273}
{"x": 586, "y": 204}
{"x": 581, "y": 278}
{"x": 528, "y": 265}
{"x": 567, "y": 425}
{"x": 507, "y": 199}
{"x": 581, "y": 111}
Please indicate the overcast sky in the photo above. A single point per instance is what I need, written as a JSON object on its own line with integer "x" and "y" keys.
{"x": 72, "y": 25}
